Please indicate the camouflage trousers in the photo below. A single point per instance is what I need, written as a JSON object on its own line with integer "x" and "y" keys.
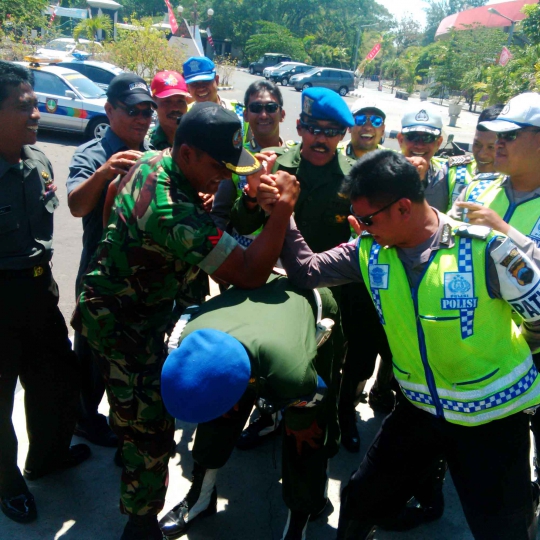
{"x": 146, "y": 430}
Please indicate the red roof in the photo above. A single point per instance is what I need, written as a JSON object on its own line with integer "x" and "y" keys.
{"x": 483, "y": 17}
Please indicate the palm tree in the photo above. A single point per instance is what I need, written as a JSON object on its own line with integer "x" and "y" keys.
{"x": 90, "y": 27}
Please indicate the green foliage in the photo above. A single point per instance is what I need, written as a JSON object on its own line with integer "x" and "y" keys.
{"x": 144, "y": 51}
{"x": 89, "y": 28}
{"x": 24, "y": 12}
{"x": 531, "y": 24}
{"x": 225, "y": 66}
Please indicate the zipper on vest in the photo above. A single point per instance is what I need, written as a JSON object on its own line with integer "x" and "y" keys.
{"x": 422, "y": 344}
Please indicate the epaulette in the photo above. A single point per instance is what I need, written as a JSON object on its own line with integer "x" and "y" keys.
{"x": 466, "y": 230}
{"x": 289, "y": 143}
{"x": 487, "y": 176}
{"x": 455, "y": 161}
{"x": 279, "y": 150}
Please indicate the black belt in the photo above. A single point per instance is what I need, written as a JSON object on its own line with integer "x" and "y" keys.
{"x": 35, "y": 271}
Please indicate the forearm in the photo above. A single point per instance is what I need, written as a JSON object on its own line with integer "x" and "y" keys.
{"x": 83, "y": 199}
{"x": 223, "y": 202}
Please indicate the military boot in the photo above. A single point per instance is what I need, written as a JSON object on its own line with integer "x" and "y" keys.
{"x": 201, "y": 501}
{"x": 350, "y": 528}
{"x": 142, "y": 528}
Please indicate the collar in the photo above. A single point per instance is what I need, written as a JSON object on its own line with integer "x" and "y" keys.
{"x": 158, "y": 138}
{"x": 176, "y": 175}
{"x": 116, "y": 144}
{"x": 252, "y": 145}
{"x": 350, "y": 152}
{"x": 293, "y": 159}
{"x": 26, "y": 153}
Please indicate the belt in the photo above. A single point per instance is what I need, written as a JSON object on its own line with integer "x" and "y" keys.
{"x": 35, "y": 271}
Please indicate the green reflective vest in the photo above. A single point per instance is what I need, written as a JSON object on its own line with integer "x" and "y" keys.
{"x": 448, "y": 356}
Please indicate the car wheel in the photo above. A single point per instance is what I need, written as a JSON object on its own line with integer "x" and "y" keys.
{"x": 343, "y": 91}
{"x": 251, "y": 70}
{"x": 306, "y": 86}
{"x": 297, "y": 89}
{"x": 284, "y": 81}
{"x": 96, "y": 127}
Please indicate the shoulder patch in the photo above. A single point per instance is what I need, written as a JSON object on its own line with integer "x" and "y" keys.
{"x": 480, "y": 232}
{"x": 454, "y": 161}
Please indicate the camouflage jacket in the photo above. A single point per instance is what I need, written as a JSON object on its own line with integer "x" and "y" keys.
{"x": 158, "y": 240}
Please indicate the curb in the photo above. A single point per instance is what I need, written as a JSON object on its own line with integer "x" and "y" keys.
{"x": 223, "y": 88}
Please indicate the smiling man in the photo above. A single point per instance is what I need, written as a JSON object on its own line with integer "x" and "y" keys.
{"x": 483, "y": 147}
{"x": 35, "y": 344}
{"x": 421, "y": 136}
{"x": 129, "y": 108}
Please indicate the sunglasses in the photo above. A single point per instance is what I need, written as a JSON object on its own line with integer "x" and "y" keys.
{"x": 258, "y": 108}
{"x": 132, "y": 112}
{"x": 368, "y": 220}
{"x": 510, "y": 136}
{"x": 327, "y": 132}
{"x": 375, "y": 120}
{"x": 418, "y": 136}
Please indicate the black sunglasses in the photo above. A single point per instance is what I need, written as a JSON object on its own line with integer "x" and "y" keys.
{"x": 368, "y": 220}
{"x": 418, "y": 136}
{"x": 132, "y": 112}
{"x": 327, "y": 132}
{"x": 270, "y": 107}
{"x": 510, "y": 136}
{"x": 375, "y": 120}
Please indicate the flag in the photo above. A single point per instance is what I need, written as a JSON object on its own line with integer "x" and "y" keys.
{"x": 54, "y": 13}
{"x": 172, "y": 18}
{"x": 505, "y": 56}
{"x": 209, "y": 36}
{"x": 374, "y": 52}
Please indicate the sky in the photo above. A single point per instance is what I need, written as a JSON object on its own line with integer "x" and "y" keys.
{"x": 414, "y": 7}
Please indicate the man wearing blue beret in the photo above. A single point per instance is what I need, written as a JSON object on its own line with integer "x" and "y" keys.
{"x": 227, "y": 359}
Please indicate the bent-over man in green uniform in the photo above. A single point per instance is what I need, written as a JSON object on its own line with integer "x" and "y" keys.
{"x": 158, "y": 245}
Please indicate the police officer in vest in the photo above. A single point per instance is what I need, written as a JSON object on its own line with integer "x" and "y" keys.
{"x": 483, "y": 146}
{"x": 444, "y": 291}
{"x": 35, "y": 344}
{"x": 420, "y": 136}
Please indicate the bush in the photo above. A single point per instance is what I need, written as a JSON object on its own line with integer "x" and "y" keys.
{"x": 225, "y": 66}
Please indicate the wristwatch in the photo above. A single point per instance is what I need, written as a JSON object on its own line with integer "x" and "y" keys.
{"x": 247, "y": 197}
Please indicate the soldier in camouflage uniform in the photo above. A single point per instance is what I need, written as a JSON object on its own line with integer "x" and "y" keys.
{"x": 158, "y": 244}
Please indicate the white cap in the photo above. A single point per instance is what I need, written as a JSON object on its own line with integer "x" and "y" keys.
{"x": 362, "y": 105}
{"x": 422, "y": 118}
{"x": 521, "y": 111}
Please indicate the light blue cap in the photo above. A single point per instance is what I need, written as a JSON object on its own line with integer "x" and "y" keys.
{"x": 199, "y": 68}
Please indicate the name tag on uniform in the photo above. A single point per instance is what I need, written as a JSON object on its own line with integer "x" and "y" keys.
{"x": 378, "y": 276}
{"x": 5, "y": 210}
{"x": 458, "y": 291}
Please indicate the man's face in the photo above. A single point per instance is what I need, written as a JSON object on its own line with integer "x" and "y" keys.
{"x": 20, "y": 116}
{"x": 203, "y": 171}
{"x": 387, "y": 226}
{"x": 170, "y": 109}
{"x": 419, "y": 143}
{"x": 320, "y": 148}
{"x": 483, "y": 150}
{"x": 518, "y": 156}
{"x": 263, "y": 123}
{"x": 366, "y": 138}
{"x": 202, "y": 91}
{"x": 130, "y": 123}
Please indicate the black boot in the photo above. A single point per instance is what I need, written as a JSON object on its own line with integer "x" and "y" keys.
{"x": 262, "y": 429}
{"x": 142, "y": 528}
{"x": 350, "y": 438}
{"x": 201, "y": 501}
{"x": 349, "y": 528}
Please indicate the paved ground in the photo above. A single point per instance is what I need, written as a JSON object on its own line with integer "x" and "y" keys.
{"x": 82, "y": 504}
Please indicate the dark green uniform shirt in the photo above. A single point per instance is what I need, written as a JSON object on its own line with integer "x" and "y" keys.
{"x": 158, "y": 139}
{"x": 321, "y": 210}
{"x": 26, "y": 211}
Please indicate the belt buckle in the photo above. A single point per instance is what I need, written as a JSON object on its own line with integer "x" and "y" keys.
{"x": 38, "y": 271}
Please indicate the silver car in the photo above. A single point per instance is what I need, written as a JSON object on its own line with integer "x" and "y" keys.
{"x": 101, "y": 73}
{"x": 339, "y": 80}
{"x": 69, "y": 101}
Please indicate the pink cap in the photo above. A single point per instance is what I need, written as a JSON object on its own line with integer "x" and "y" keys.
{"x": 169, "y": 83}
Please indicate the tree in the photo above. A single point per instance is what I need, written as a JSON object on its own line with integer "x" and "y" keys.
{"x": 144, "y": 51}
{"x": 90, "y": 27}
{"x": 275, "y": 38}
{"x": 531, "y": 24}
{"x": 26, "y": 12}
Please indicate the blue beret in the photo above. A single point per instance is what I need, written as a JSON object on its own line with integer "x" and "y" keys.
{"x": 325, "y": 104}
{"x": 205, "y": 377}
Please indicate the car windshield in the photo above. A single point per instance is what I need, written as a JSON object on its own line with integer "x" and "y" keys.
{"x": 84, "y": 86}
{"x": 57, "y": 45}
{"x": 311, "y": 71}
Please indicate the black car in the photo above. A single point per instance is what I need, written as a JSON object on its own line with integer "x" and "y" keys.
{"x": 286, "y": 72}
{"x": 269, "y": 59}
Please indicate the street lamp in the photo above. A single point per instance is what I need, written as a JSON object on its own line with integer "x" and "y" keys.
{"x": 357, "y": 46}
{"x": 195, "y": 14}
{"x": 512, "y": 26}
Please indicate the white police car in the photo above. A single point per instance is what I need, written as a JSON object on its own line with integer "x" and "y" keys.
{"x": 68, "y": 101}
{"x": 101, "y": 73}
{"x": 64, "y": 47}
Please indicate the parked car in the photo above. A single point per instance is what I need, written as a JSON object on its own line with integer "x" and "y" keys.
{"x": 68, "y": 101}
{"x": 339, "y": 80}
{"x": 64, "y": 47}
{"x": 284, "y": 74}
{"x": 282, "y": 65}
{"x": 101, "y": 73}
{"x": 268, "y": 60}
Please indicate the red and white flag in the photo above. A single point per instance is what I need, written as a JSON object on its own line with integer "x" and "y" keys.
{"x": 53, "y": 15}
{"x": 172, "y": 18}
{"x": 209, "y": 36}
{"x": 505, "y": 56}
{"x": 374, "y": 52}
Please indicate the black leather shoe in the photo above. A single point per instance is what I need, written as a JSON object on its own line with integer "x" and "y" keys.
{"x": 142, "y": 528}
{"x": 75, "y": 456}
{"x": 350, "y": 438}
{"x": 262, "y": 429}
{"x": 21, "y": 508}
{"x": 174, "y": 523}
{"x": 97, "y": 431}
{"x": 383, "y": 402}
